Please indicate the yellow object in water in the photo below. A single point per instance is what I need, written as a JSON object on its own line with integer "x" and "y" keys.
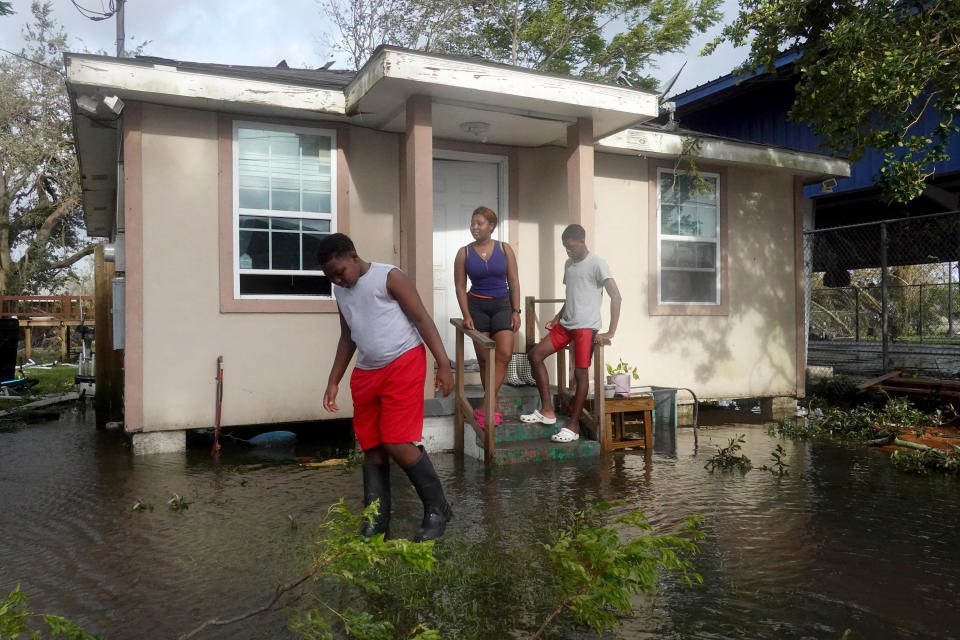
{"x": 332, "y": 462}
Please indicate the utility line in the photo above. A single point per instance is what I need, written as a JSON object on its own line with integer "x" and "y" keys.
{"x": 91, "y": 14}
{"x": 22, "y": 57}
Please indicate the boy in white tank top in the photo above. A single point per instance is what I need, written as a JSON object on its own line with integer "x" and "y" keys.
{"x": 383, "y": 319}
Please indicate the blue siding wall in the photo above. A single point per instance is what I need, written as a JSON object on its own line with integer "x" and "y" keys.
{"x": 758, "y": 113}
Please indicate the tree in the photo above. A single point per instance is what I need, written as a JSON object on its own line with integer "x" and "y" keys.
{"x": 364, "y": 25}
{"x": 598, "y": 39}
{"x": 41, "y": 232}
{"x": 882, "y": 74}
{"x": 6, "y": 8}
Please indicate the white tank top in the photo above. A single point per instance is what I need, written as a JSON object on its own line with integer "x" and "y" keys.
{"x": 378, "y": 326}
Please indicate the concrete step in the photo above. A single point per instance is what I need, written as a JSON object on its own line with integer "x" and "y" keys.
{"x": 543, "y": 449}
{"x": 516, "y": 431}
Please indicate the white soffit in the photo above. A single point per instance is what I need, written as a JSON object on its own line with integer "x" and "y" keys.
{"x": 670, "y": 145}
{"x": 165, "y": 84}
{"x": 503, "y": 128}
{"x": 391, "y": 76}
{"x": 97, "y": 145}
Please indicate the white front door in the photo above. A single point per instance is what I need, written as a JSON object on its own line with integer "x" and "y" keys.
{"x": 459, "y": 187}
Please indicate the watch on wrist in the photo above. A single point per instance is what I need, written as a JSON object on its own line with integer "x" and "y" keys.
{"x": 516, "y": 310}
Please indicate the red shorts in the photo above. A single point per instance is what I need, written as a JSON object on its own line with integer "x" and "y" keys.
{"x": 388, "y": 402}
{"x": 582, "y": 343}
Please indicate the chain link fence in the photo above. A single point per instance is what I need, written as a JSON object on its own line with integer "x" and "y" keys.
{"x": 885, "y": 295}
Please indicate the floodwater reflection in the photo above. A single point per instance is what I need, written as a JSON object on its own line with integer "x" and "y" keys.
{"x": 844, "y": 541}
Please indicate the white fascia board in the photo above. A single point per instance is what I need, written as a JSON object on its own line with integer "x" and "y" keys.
{"x": 164, "y": 80}
{"x": 665, "y": 144}
{"x": 497, "y": 79}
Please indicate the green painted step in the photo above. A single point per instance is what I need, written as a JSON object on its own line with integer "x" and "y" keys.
{"x": 543, "y": 449}
{"x": 514, "y": 431}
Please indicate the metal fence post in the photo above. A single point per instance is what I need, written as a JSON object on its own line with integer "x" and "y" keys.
{"x": 950, "y": 299}
{"x": 856, "y": 316}
{"x": 920, "y": 319}
{"x": 884, "y": 305}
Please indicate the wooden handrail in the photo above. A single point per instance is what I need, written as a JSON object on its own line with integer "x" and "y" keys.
{"x": 462, "y": 411}
{"x": 595, "y": 418}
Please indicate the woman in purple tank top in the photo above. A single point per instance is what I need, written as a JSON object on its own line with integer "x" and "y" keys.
{"x": 492, "y": 305}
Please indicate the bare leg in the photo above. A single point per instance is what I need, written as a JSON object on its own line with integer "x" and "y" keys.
{"x": 504, "y": 340}
{"x": 482, "y": 361}
{"x": 536, "y": 356}
{"x": 376, "y": 455}
{"x": 582, "y": 376}
{"x": 404, "y": 454}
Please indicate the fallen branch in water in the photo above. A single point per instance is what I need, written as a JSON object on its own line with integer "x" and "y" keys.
{"x": 281, "y": 589}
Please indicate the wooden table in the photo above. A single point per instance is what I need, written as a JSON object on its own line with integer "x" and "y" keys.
{"x": 622, "y": 415}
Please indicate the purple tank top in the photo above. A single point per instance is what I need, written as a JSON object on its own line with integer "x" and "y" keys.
{"x": 487, "y": 278}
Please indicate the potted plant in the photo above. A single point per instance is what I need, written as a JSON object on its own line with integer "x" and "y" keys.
{"x": 620, "y": 376}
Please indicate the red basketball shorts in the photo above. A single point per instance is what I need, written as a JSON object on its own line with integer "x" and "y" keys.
{"x": 582, "y": 340}
{"x": 388, "y": 402}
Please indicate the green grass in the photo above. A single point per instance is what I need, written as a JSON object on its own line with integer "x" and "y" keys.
{"x": 58, "y": 379}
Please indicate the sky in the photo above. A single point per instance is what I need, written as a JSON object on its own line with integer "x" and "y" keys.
{"x": 261, "y": 33}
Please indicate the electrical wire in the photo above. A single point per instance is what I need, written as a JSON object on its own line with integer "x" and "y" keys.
{"x": 22, "y": 57}
{"x": 105, "y": 13}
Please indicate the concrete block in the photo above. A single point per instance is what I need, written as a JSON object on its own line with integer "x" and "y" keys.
{"x": 159, "y": 442}
{"x": 438, "y": 433}
{"x": 818, "y": 372}
{"x": 778, "y": 407}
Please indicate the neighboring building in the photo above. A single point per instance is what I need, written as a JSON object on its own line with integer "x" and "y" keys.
{"x": 755, "y": 109}
{"x": 228, "y": 175}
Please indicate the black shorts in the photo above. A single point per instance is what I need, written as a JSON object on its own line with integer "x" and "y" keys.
{"x": 490, "y": 315}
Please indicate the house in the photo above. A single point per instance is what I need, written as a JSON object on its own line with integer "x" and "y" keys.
{"x": 213, "y": 182}
{"x": 862, "y": 327}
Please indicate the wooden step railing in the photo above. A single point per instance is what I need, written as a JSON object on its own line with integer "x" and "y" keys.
{"x": 593, "y": 413}
{"x": 463, "y": 412}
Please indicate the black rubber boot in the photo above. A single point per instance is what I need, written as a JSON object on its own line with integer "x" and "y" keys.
{"x": 376, "y": 484}
{"x": 436, "y": 511}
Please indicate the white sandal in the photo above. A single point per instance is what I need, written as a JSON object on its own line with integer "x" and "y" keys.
{"x": 565, "y": 435}
{"x": 536, "y": 416}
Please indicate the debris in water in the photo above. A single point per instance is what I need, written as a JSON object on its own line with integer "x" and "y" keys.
{"x": 332, "y": 462}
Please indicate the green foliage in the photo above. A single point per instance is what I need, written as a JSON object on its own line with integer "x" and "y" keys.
{"x": 728, "y": 457}
{"x": 593, "y": 38}
{"x": 40, "y": 199}
{"x": 177, "y": 503}
{"x": 6, "y": 8}
{"x": 597, "y": 39}
{"x": 623, "y": 368}
{"x": 881, "y": 74}
{"x": 779, "y": 466}
{"x": 461, "y": 589}
{"x": 920, "y": 462}
{"x": 597, "y": 573}
{"x": 15, "y": 621}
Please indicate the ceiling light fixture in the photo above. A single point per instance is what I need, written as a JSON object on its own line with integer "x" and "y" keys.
{"x": 477, "y": 129}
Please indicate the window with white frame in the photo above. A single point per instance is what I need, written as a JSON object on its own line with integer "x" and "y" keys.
{"x": 284, "y": 195}
{"x": 688, "y": 237}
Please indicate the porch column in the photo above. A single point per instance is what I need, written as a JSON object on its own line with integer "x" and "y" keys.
{"x": 416, "y": 208}
{"x": 580, "y": 176}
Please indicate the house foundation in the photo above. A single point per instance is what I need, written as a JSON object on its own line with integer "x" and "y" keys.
{"x": 159, "y": 442}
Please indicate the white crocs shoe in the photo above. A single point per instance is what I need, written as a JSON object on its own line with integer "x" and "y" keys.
{"x": 565, "y": 435}
{"x": 536, "y": 416}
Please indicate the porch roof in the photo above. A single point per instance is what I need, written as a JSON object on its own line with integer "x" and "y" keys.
{"x": 517, "y": 107}
{"x": 660, "y": 142}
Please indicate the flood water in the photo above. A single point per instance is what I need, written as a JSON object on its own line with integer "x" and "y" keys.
{"x": 843, "y": 542}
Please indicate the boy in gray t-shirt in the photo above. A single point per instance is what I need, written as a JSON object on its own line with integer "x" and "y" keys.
{"x": 585, "y": 275}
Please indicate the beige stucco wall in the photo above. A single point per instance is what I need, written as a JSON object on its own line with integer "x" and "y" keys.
{"x": 275, "y": 365}
{"x": 749, "y": 352}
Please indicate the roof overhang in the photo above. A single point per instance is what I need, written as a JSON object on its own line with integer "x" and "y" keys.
{"x": 665, "y": 144}
{"x": 531, "y": 108}
{"x": 157, "y": 83}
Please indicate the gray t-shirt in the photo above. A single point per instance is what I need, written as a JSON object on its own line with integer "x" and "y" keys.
{"x": 584, "y": 282}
